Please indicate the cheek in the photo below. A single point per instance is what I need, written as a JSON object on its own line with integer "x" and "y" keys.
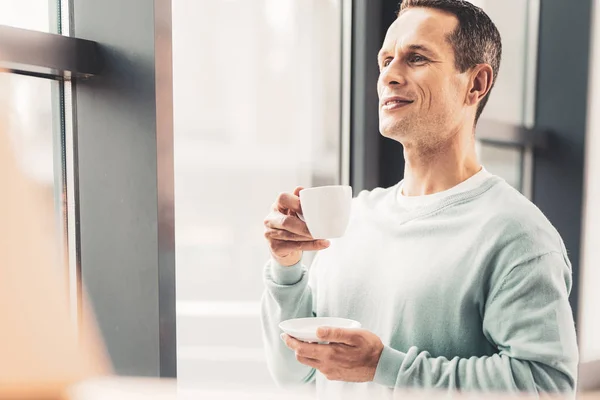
{"x": 457, "y": 89}
{"x": 446, "y": 94}
{"x": 428, "y": 88}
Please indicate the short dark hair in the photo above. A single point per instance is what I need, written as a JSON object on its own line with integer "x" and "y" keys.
{"x": 476, "y": 39}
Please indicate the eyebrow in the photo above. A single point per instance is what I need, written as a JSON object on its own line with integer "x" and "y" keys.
{"x": 411, "y": 47}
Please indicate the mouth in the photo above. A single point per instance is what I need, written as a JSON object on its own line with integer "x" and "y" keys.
{"x": 392, "y": 103}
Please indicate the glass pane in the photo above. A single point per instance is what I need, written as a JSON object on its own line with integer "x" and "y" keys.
{"x": 37, "y": 15}
{"x": 510, "y": 96}
{"x": 512, "y": 100}
{"x": 256, "y": 112}
{"x": 506, "y": 162}
{"x": 34, "y": 126}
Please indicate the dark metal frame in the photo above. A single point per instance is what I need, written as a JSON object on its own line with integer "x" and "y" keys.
{"x": 562, "y": 108}
{"x": 122, "y": 159}
{"x": 364, "y": 126}
{"x": 126, "y": 189}
{"x": 501, "y": 134}
{"x": 48, "y": 55}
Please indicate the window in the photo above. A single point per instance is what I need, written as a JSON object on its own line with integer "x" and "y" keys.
{"x": 40, "y": 116}
{"x": 38, "y": 15}
{"x": 34, "y": 126}
{"x": 504, "y": 161}
{"x": 513, "y": 97}
{"x": 256, "y": 112}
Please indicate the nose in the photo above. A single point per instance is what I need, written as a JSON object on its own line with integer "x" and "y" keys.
{"x": 392, "y": 75}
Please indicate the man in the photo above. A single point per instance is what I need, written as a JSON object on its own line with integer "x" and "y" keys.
{"x": 460, "y": 282}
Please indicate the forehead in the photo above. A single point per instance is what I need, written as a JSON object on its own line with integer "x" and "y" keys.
{"x": 420, "y": 25}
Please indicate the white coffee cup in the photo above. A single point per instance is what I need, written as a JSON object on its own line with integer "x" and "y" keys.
{"x": 326, "y": 210}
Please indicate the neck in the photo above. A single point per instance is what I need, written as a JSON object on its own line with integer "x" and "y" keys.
{"x": 432, "y": 169}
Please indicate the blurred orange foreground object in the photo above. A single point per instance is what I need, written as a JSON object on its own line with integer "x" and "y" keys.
{"x": 41, "y": 352}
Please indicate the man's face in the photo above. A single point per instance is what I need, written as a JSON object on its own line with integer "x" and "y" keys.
{"x": 421, "y": 93}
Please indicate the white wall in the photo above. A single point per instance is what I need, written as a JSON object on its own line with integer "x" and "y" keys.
{"x": 589, "y": 318}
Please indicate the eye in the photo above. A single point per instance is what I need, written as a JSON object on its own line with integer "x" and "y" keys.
{"x": 416, "y": 59}
{"x": 386, "y": 62}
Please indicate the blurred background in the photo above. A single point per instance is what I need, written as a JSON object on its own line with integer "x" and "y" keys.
{"x": 164, "y": 130}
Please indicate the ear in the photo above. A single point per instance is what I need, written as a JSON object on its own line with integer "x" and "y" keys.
{"x": 480, "y": 83}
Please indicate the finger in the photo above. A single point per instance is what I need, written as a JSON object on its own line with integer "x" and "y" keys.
{"x": 311, "y": 351}
{"x": 290, "y": 342}
{"x": 308, "y": 361}
{"x": 297, "y": 193}
{"x": 283, "y": 247}
{"x": 297, "y": 190}
{"x": 288, "y": 201}
{"x": 350, "y": 337}
{"x": 280, "y": 234}
{"x": 288, "y": 223}
{"x": 314, "y": 351}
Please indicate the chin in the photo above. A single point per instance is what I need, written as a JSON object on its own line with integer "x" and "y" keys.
{"x": 396, "y": 130}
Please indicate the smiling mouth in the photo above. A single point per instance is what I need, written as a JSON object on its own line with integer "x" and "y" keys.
{"x": 395, "y": 104}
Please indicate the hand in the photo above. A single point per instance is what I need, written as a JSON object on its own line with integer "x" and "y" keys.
{"x": 288, "y": 235}
{"x": 352, "y": 355}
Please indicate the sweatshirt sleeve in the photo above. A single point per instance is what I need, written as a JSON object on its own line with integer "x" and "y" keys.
{"x": 528, "y": 319}
{"x": 287, "y": 295}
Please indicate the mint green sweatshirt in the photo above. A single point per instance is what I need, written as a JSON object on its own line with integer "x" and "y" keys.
{"x": 468, "y": 293}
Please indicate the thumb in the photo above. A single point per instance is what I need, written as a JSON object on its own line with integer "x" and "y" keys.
{"x": 297, "y": 190}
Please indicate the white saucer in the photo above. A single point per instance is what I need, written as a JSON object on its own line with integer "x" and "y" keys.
{"x": 305, "y": 329}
